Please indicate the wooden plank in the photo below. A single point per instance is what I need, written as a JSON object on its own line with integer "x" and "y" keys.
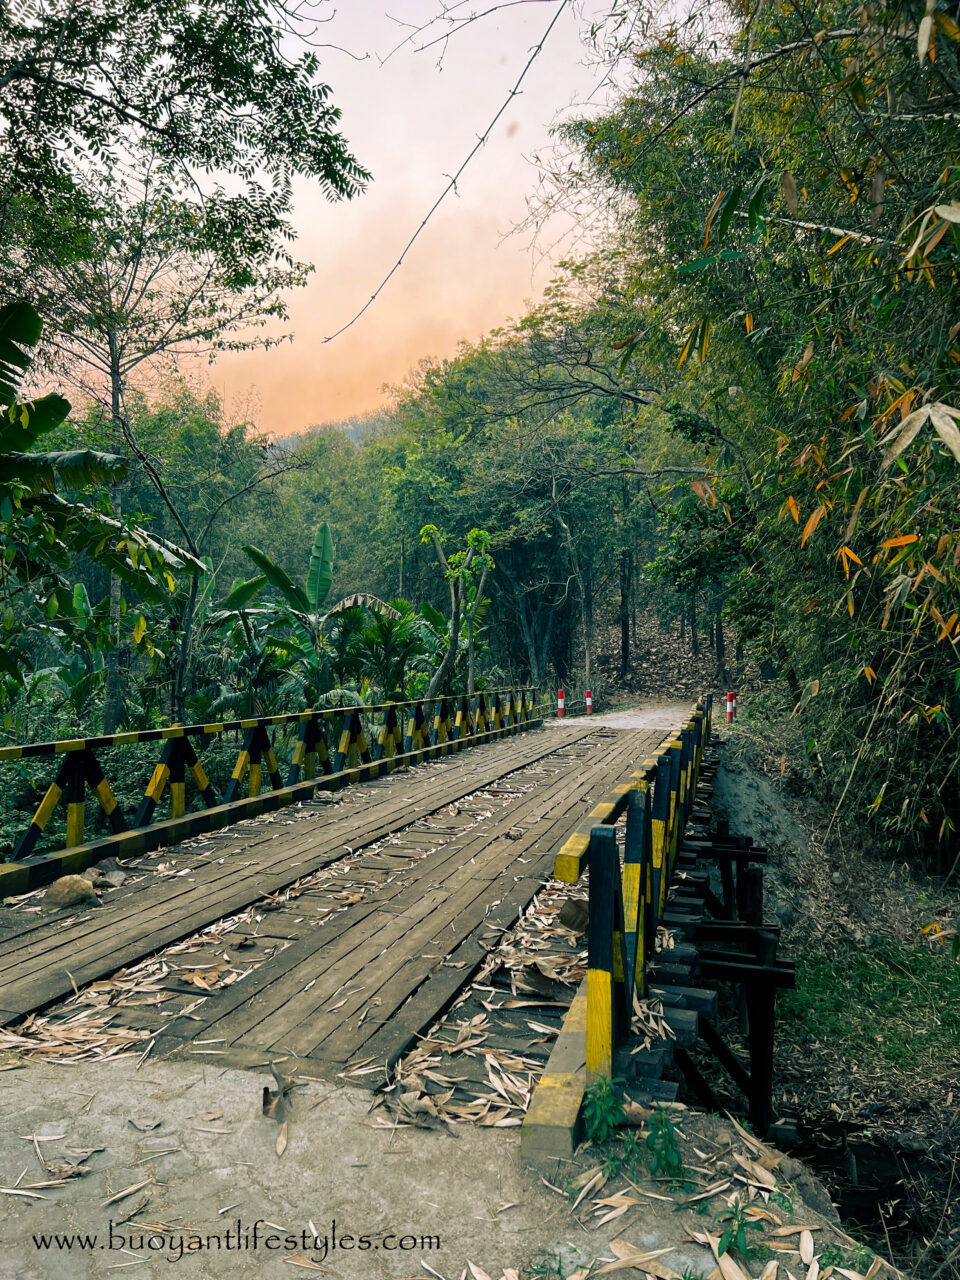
{"x": 417, "y": 927}
{"x": 466, "y": 869}
{"x": 419, "y": 799}
{"x": 487, "y": 863}
{"x": 93, "y": 948}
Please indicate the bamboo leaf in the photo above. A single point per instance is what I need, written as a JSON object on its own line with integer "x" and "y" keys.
{"x": 811, "y": 524}
{"x": 904, "y": 435}
{"x": 946, "y": 429}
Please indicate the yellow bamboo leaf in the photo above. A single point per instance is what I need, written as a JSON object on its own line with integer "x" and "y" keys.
{"x": 139, "y": 628}
{"x": 811, "y": 524}
{"x": 947, "y": 627}
{"x": 704, "y": 341}
{"x": 748, "y": 320}
{"x": 710, "y": 216}
{"x": 689, "y": 343}
{"x": 839, "y": 245}
{"x": 903, "y": 540}
{"x": 870, "y": 674}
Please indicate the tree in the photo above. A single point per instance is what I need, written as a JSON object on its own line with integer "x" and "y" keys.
{"x": 151, "y": 281}
{"x": 465, "y": 572}
{"x": 40, "y": 530}
{"x": 215, "y": 89}
{"x": 787, "y": 187}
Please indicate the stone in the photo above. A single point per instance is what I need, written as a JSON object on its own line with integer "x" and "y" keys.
{"x": 69, "y": 891}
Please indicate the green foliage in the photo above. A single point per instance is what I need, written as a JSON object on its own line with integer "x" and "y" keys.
{"x": 543, "y": 1266}
{"x": 853, "y": 1000}
{"x": 783, "y": 1197}
{"x": 735, "y": 1226}
{"x": 209, "y": 89}
{"x": 831, "y": 1257}
{"x": 666, "y": 1159}
{"x": 603, "y": 1109}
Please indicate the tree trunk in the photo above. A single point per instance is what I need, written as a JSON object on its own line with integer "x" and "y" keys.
{"x": 624, "y": 613}
{"x": 182, "y": 672}
{"x": 721, "y": 649}
{"x": 400, "y": 591}
{"x": 694, "y": 641}
{"x": 450, "y": 657}
{"x": 470, "y": 681}
{"x": 111, "y": 661}
{"x": 587, "y": 589}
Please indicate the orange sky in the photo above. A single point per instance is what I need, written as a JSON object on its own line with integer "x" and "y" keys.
{"x": 410, "y": 123}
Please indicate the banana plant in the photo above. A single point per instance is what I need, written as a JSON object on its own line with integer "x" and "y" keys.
{"x": 302, "y": 606}
{"x": 40, "y": 530}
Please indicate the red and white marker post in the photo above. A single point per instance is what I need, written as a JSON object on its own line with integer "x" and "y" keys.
{"x": 589, "y": 703}
{"x": 731, "y": 702}
{"x": 734, "y": 704}
{"x": 560, "y": 702}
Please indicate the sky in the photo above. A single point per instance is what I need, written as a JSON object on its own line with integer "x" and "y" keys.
{"x": 410, "y": 121}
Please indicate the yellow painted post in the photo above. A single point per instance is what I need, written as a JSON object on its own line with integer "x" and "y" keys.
{"x": 600, "y": 953}
{"x": 45, "y": 810}
{"x": 199, "y": 776}
{"x": 255, "y": 757}
{"x": 660, "y": 837}
{"x": 239, "y": 769}
{"x": 102, "y": 790}
{"x": 178, "y": 784}
{"x": 73, "y": 794}
{"x": 636, "y": 850}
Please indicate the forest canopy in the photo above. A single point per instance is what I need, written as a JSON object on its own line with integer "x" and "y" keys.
{"x": 737, "y": 405}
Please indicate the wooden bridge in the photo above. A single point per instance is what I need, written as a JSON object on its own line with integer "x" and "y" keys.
{"x": 353, "y": 902}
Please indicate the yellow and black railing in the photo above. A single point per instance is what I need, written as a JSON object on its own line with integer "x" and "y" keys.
{"x": 369, "y": 740}
{"x": 626, "y": 905}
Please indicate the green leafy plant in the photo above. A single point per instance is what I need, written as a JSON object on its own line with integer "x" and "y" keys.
{"x": 734, "y": 1234}
{"x": 666, "y": 1159}
{"x": 831, "y": 1257}
{"x": 782, "y": 1197}
{"x": 603, "y": 1109}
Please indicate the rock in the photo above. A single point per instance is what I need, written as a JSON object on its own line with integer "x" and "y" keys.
{"x": 837, "y": 878}
{"x": 573, "y": 915}
{"x": 910, "y": 1143}
{"x": 812, "y": 1192}
{"x": 69, "y": 891}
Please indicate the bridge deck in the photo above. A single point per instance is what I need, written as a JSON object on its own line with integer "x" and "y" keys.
{"x": 343, "y": 987}
{"x": 361, "y": 987}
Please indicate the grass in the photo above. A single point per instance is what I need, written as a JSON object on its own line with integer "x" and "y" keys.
{"x": 896, "y": 1003}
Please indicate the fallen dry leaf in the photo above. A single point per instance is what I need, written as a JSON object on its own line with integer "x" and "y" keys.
{"x": 282, "y": 1139}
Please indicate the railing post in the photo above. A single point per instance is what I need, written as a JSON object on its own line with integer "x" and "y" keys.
{"x": 204, "y": 786}
{"x": 636, "y": 853}
{"x": 660, "y": 838}
{"x": 102, "y": 790}
{"x": 462, "y": 725}
{"x": 600, "y": 928}
{"x": 269, "y": 758}
{"x": 178, "y": 783}
{"x": 158, "y": 780}
{"x": 239, "y": 769}
{"x": 45, "y": 809}
{"x": 73, "y": 794}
